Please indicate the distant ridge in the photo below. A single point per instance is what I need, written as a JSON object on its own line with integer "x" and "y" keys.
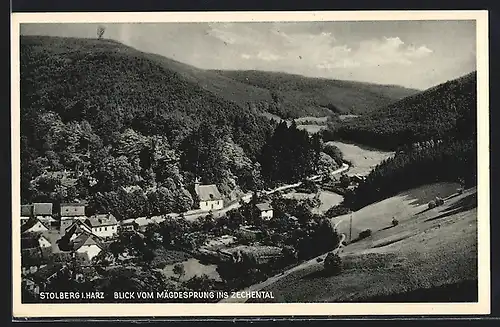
{"x": 286, "y": 95}
{"x": 315, "y": 94}
{"x": 436, "y": 113}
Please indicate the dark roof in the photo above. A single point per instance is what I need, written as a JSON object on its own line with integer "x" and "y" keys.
{"x": 264, "y": 206}
{"x": 208, "y": 192}
{"x": 129, "y": 221}
{"x": 42, "y": 209}
{"x": 102, "y": 220}
{"x": 30, "y": 223}
{"x": 74, "y": 204}
{"x": 26, "y": 210}
{"x": 86, "y": 239}
{"x": 76, "y": 227}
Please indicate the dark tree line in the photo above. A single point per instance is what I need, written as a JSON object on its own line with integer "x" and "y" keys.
{"x": 433, "y": 134}
{"x": 453, "y": 161}
{"x": 447, "y": 110}
{"x": 289, "y": 154}
{"x": 112, "y": 119}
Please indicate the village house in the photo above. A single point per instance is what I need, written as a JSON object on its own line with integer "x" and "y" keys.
{"x": 142, "y": 223}
{"x": 265, "y": 209}
{"x": 209, "y": 197}
{"x": 35, "y": 240}
{"x": 128, "y": 225}
{"x": 43, "y": 212}
{"x": 78, "y": 227}
{"x": 29, "y": 284}
{"x": 33, "y": 225}
{"x": 87, "y": 244}
{"x": 70, "y": 212}
{"x": 103, "y": 225}
{"x": 83, "y": 241}
{"x": 26, "y": 212}
{"x": 39, "y": 280}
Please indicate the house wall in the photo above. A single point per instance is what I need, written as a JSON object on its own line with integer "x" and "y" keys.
{"x": 24, "y": 219}
{"x": 73, "y": 210}
{"x": 105, "y": 231}
{"x": 268, "y": 214}
{"x": 44, "y": 217}
{"x": 90, "y": 250}
{"x": 211, "y": 205}
{"x": 30, "y": 285}
{"x": 44, "y": 243}
{"x": 128, "y": 227}
{"x": 65, "y": 223}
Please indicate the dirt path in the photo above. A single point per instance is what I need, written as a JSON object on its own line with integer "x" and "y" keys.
{"x": 195, "y": 214}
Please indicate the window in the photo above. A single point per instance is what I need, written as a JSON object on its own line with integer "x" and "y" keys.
{"x": 105, "y": 228}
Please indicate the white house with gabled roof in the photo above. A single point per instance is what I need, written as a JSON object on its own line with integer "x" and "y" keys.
{"x": 209, "y": 197}
{"x": 103, "y": 225}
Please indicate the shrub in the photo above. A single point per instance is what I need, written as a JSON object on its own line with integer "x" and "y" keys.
{"x": 395, "y": 222}
{"x": 308, "y": 186}
{"x": 179, "y": 270}
{"x": 333, "y": 263}
{"x": 439, "y": 201}
{"x": 319, "y": 259}
{"x": 460, "y": 190}
{"x": 364, "y": 234}
{"x": 432, "y": 204}
{"x": 337, "y": 210}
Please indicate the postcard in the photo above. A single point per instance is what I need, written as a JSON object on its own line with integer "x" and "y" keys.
{"x": 216, "y": 164}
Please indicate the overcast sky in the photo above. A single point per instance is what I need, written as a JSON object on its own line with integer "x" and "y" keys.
{"x": 417, "y": 54}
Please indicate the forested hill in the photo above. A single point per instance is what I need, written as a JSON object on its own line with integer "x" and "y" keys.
{"x": 446, "y": 110}
{"x": 312, "y": 96}
{"x": 128, "y": 133}
{"x": 435, "y": 135}
{"x": 286, "y": 95}
{"x": 109, "y": 118}
{"x": 113, "y": 86}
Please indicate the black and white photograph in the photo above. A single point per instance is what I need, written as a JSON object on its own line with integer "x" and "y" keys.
{"x": 327, "y": 160}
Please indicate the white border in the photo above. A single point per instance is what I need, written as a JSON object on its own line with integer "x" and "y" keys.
{"x": 218, "y": 309}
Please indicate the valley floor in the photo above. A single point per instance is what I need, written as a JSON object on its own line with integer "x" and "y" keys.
{"x": 362, "y": 160}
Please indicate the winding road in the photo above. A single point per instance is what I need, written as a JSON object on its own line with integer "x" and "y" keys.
{"x": 195, "y": 214}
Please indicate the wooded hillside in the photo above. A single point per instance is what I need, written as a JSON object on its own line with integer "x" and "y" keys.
{"x": 297, "y": 96}
{"x": 109, "y": 124}
{"x": 448, "y": 109}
